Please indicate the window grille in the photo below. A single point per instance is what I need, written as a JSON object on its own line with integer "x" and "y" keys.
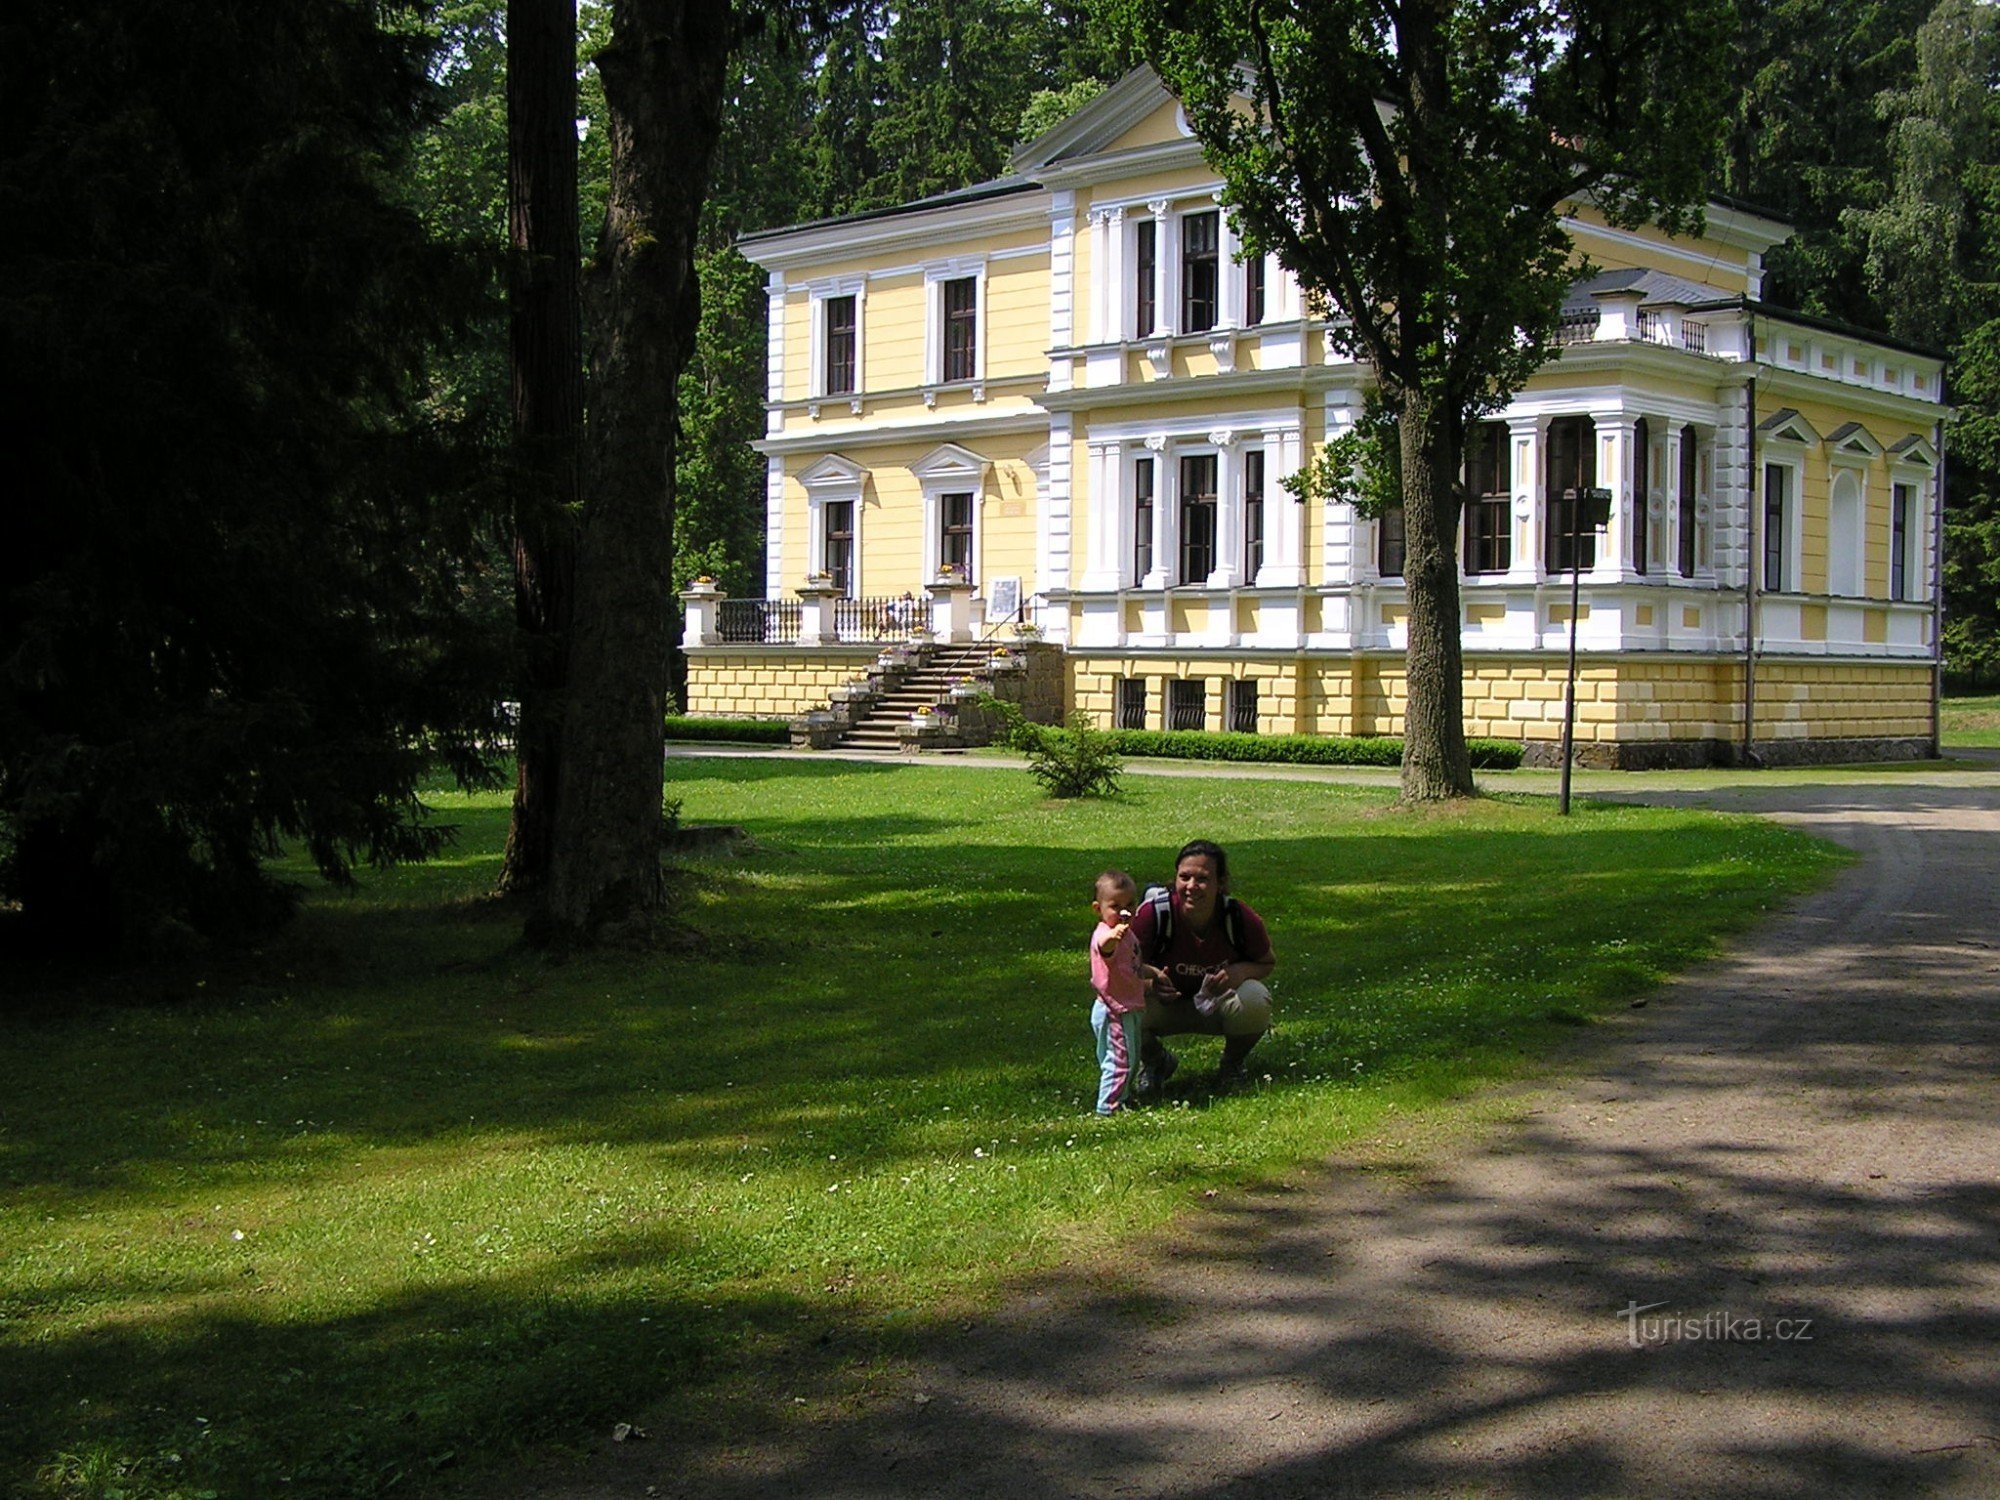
{"x": 1187, "y": 703}
{"x": 1132, "y": 703}
{"x": 1243, "y": 705}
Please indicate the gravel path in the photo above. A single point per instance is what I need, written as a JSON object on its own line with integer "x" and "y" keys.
{"x": 1787, "y": 1158}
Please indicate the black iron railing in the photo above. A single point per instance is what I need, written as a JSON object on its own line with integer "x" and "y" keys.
{"x": 770, "y": 622}
{"x": 880, "y": 619}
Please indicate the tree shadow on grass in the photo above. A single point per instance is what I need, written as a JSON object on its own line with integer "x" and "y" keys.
{"x": 701, "y": 1058}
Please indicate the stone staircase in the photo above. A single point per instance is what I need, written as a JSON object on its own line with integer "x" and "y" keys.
{"x": 927, "y": 684}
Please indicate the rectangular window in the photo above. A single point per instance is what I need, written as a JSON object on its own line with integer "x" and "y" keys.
{"x": 1689, "y": 458}
{"x": 1389, "y": 543}
{"x": 1142, "y": 520}
{"x": 1201, "y": 241}
{"x": 1187, "y": 703}
{"x": 1243, "y": 706}
{"x": 1197, "y": 517}
{"x": 840, "y": 330}
{"x": 1642, "y": 465}
{"x": 1902, "y": 515}
{"x": 1253, "y": 513}
{"x": 1777, "y": 483}
{"x": 1253, "y": 291}
{"x": 1572, "y": 469}
{"x": 955, "y": 532}
{"x": 961, "y": 316}
{"x": 1131, "y": 703}
{"x": 837, "y": 517}
{"x": 1489, "y": 527}
{"x": 1145, "y": 263}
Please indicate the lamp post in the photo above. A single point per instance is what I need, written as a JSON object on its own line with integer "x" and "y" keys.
{"x": 1588, "y": 510}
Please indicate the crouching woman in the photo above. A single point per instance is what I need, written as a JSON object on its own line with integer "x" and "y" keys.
{"x": 1215, "y": 955}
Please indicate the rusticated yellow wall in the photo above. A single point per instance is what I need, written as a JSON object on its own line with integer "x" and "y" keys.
{"x": 763, "y": 682}
{"x": 1634, "y": 701}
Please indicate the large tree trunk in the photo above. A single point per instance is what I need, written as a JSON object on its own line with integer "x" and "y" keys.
{"x": 1436, "y": 764}
{"x": 545, "y": 345}
{"x": 664, "y": 75}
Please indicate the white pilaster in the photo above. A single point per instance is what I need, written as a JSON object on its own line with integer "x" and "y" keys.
{"x": 1617, "y": 444}
{"x": 774, "y": 353}
{"x": 1344, "y": 541}
{"x": 774, "y": 524}
{"x": 1731, "y": 489}
{"x": 1103, "y": 568}
{"x": 1062, "y": 286}
{"x": 1284, "y": 517}
{"x": 1524, "y": 453}
{"x": 1055, "y": 510}
{"x": 1166, "y": 516}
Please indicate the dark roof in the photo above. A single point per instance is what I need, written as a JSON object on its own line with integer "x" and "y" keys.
{"x": 1654, "y": 287}
{"x": 999, "y": 187}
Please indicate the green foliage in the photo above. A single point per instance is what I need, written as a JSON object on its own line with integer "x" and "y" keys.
{"x": 1362, "y": 467}
{"x": 718, "y": 476}
{"x": 1295, "y": 749}
{"x": 1075, "y": 761}
{"x": 1048, "y": 108}
{"x": 731, "y": 731}
{"x": 234, "y": 600}
{"x": 1931, "y": 242}
{"x": 1805, "y": 139}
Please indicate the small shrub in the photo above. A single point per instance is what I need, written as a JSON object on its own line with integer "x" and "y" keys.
{"x": 729, "y": 731}
{"x": 1075, "y": 762}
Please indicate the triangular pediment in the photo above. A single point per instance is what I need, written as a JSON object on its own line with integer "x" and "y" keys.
{"x": 833, "y": 472}
{"x": 1914, "y": 450}
{"x": 950, "y": 464}
{"x": 1787, "y": 426}
{"x": 1135, "y": 111}
{"x": 1852, "y": 440}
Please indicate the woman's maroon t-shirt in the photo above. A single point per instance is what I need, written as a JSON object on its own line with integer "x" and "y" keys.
{"x": 1187, "y": 957}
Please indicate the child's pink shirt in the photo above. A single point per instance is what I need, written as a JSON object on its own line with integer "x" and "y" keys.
{"x": 1115, "y": 976}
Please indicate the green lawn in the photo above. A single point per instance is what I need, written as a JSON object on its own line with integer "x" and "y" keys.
{"x": 1972, "y": 721}
{"x": 393, "y": 1198}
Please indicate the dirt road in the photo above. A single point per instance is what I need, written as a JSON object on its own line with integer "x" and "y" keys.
{"x": 1748, "y": 1246}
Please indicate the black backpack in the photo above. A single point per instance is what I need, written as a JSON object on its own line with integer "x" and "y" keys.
{"x": 1161, "y": 899}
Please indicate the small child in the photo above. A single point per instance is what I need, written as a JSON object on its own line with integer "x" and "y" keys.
{"x": 1120, "y": 980}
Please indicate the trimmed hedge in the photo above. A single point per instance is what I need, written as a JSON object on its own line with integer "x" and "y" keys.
{"x": 1295, "y": 749}
{"x": 732, "y": 731}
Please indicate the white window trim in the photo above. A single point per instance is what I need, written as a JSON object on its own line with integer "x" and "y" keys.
{"x": 1792, "y": 459}
{"x": 833, "y": 479}
{"x": 949, "y": 470}
{"x": 936, "y": 274}
{"x": 1914, "y": 466}
{"x": 1128, "y": 518}
{"x": 1787, "y": 438}
{"x": 818, "y": 294}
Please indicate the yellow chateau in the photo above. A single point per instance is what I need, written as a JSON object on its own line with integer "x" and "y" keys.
{"x": 1060, "y": 398}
